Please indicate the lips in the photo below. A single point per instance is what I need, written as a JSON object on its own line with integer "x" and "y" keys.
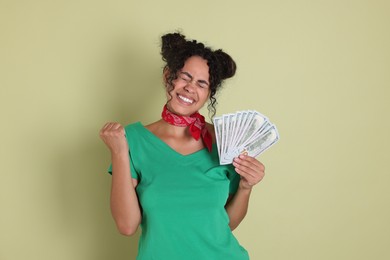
{"x": 185, "y": 99}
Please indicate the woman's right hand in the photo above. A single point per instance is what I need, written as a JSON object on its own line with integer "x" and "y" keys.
{"x": 113, "y": 135}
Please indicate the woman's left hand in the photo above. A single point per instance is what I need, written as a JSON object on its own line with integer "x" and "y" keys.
{"x": 250, "y": 170}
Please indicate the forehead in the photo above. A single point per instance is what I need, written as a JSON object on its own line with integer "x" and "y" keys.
{"x": 197, "y": 67}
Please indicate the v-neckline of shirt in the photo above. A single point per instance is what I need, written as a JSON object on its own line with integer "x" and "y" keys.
{"x": 169, "y": 148}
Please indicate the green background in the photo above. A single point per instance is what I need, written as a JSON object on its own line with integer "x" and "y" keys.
{"x": 318, "y": 69}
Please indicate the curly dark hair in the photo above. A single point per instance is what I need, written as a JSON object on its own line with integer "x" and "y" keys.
{"x": 175, "y": 50}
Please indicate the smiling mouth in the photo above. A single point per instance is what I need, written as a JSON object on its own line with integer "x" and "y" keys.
{"x": 185, "y": 99}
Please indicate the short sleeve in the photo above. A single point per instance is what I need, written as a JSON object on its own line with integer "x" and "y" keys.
{"x": 234, "y": 179}
{"x": 133, "y": 172}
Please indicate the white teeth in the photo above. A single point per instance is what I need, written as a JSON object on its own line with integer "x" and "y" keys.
{"x": 186, "y": 99}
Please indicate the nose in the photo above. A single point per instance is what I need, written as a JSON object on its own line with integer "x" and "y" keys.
{"x": 189, "y": 87}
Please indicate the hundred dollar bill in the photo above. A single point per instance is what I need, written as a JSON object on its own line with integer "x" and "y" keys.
{"x": 263, "y": 142}
{"x": 243, "y": 132}
{"x": 217, "y": 121}
{"x": 256, "y": 124}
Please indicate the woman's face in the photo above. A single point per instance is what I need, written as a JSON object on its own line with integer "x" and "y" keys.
{"x": 191, "y": 88}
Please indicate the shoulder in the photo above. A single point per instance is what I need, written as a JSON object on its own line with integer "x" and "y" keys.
{"x": 153, "y": 127}
{"x": 133, "y": 128}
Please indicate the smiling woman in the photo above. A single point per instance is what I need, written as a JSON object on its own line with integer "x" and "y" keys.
{"x": 191, "y": 87}
{"x": 176, "y": 51}
{"x": 166, "y": 176}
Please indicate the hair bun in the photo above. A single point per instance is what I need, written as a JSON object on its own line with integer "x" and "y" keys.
{"x": 227, "y": 65}
{"x": 176, "y": 49}
{"x": 171, "y": 43}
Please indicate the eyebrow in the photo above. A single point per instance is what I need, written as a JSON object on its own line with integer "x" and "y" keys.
{"x": 190, "y": 76}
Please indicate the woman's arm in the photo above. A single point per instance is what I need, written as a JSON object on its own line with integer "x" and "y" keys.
{"x": 237, "y": 207}
{"x": 124, "y": 203}
{"x": 251, "y": 172}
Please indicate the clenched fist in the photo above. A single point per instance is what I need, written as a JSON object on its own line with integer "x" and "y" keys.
{"x": 113, "y": 135}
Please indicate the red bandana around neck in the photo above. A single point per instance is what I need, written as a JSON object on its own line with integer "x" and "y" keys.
{"x": 196, "y": 124}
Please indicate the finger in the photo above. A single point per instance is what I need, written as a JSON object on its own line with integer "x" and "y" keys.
{"x": 254, "y": 169}
{"x": 104, "y": 126}
{"x": 116, "y": 126}
{"x": 251, "y": 163}
{"x": 111, "y": 129}
{"x": 244, "y": 175}
{"x": 103, "y": 129}
{"x": 256, "y": 163}
{"x": 112, "y": 126}
{"x": 246, "y": 166}
{"x": 243, "y": 170}
{"x": 108, "y": 126}
{"x": 249, "y": 177}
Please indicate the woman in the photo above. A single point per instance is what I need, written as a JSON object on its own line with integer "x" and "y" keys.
{"x": 186, "y": 203}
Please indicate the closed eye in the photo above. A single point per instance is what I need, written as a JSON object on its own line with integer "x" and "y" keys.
{"x": 203, "y": 84}
{"x": 188, "y": 78}
{"x": 185, "y": 76}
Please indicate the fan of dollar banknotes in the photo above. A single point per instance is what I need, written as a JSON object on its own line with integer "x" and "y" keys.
{"x": 243, "y": 132}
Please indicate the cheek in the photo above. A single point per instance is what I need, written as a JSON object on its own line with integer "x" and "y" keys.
{"x": 206, "y": 95}
{"x": 175, "y": 86}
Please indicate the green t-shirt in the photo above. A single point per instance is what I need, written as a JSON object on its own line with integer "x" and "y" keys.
{"x": 182, "y": 199}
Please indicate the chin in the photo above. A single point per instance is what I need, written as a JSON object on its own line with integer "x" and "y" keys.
{"x": 181, "y": 110}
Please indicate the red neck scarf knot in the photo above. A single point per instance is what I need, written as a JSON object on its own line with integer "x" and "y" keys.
{"x": 196, "y": 125}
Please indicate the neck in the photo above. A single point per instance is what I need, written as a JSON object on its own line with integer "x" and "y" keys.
{"x": 173, "y": 130}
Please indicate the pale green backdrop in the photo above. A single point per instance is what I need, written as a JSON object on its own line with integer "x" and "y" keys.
{"x": 319, "y": 69}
